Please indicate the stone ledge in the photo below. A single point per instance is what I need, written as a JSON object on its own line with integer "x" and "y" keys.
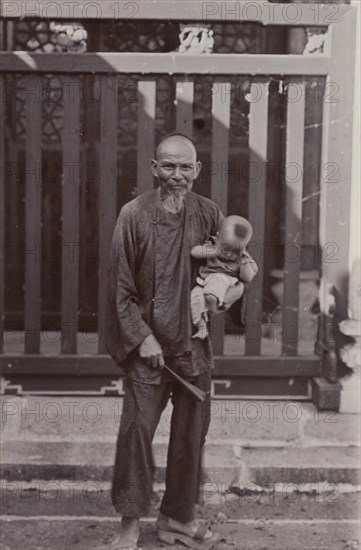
{"x": 88, "y": 418}
{"x": 222, "y": 465}
{"x": 329, "y": 428}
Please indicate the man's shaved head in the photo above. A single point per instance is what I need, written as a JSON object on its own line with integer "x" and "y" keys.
{"x": 176, "y": 167}
{"x": 175, "y": 139}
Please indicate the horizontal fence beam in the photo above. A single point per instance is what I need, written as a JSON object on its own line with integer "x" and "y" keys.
{"x": 264, "y": 12}
{"x": 164, "y": 63}
{"x": 102, "y": 365}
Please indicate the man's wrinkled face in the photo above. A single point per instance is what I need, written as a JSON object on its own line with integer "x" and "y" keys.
{"x": 176, "y": 166}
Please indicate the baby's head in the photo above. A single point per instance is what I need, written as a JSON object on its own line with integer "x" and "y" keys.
{"x": 235, "y": 233}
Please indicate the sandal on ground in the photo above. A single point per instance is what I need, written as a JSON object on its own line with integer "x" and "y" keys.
{"x": 198, "y": 541}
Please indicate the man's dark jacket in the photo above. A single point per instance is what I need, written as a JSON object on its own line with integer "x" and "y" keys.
{"x": 134, "y": 309}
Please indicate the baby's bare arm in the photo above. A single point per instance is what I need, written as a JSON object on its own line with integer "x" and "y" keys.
{"x": 204, "y": 251}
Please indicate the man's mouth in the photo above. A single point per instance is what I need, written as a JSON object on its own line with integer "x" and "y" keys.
{"x": 178, "y": 186}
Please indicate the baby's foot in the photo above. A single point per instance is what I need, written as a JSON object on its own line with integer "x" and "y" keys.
{"x": 212, "y": 303}
{"x": 202, "y": 330}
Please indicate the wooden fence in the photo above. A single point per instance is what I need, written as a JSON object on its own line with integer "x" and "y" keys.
{"x": 335, "y": 64}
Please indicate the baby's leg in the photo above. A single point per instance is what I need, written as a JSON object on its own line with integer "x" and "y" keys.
{"x": 202, "y": 329}
{"x": 199, "y": 312}
{"x": 215, "y": 288}
{"x": 198, "y": 306}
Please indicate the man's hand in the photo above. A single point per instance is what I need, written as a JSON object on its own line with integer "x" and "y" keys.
{"x": 151, "y": 352}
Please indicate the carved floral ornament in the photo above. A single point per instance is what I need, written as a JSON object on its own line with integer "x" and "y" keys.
{"x": 315, "y": 41}
{"x": 196, "y": 38}
{"x": 69, "y": 37}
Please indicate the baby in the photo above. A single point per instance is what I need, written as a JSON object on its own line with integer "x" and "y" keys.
{"x": 227, "y": 263}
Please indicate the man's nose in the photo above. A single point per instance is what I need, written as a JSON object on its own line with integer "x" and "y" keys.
{"x": 177, "y": 176}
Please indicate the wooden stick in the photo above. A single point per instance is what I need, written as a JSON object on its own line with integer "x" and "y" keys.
{"x": 199, "y": 394}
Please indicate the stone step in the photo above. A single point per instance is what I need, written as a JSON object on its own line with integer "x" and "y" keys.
{"x": 223, "y": 465}
{"x": 240, "y": 422}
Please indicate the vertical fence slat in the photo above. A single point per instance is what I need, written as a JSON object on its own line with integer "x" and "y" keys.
{"x": 221, "y": 109}
{"x": 2, "y": 212}
{"x": 33, "y": 214}
{"x": 146, "y": 137}
{"x": 70, "y": 215}
{"x": 336, "y": 210}
{"x": 184, "y": 99}
{"x": 293, "y": 224}
{"x": 258, "y": 143}
{"x": 108, "y": 190}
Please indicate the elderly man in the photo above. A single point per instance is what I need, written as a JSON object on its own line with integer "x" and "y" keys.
{"x": 151, "y": 274}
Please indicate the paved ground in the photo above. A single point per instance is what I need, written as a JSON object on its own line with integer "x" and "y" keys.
{"x": 42, "y": 517}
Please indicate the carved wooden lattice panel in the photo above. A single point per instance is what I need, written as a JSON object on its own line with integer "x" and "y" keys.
{"x": 34, "y": 36}
{"x": 133, "y": 37}
{"x": 51, "y": 108}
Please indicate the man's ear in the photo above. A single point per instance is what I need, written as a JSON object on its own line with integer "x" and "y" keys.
{"x": 153, "y": 167}
{"x": 198, "y": 168}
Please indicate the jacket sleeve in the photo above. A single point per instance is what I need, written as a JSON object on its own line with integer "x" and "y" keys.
{"x": 122, "y": 291}
{"x": 218, "y": 219}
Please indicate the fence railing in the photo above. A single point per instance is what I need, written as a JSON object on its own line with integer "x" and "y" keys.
{"x": 334, "y": 64}
{"x": 146, "y": 90}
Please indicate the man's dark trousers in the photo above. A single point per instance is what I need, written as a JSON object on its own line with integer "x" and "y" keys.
{"x": 134, "y": 466}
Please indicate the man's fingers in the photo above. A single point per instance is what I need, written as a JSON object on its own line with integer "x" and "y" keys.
{"x": 156, "y": 361}
{"x": 151, "y": 361}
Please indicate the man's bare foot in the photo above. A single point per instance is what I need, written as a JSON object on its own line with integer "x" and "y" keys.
{"x": 129, "y": 535}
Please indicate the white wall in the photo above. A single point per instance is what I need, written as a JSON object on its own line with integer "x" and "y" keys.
{"x": 355, "y": 225}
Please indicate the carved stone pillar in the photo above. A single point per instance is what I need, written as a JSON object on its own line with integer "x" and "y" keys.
{"x": 351, "y": 353}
